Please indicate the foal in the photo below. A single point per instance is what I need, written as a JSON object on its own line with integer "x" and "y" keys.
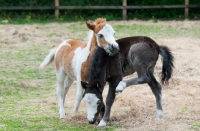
{"x": 137, "y": 54}
{"x": 72, "y": 60}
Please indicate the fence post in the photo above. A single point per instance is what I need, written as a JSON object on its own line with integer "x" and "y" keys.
{"x": 57, "y": 10}
{"x": 124, "y": 11}
{"x": 186, "y": 9}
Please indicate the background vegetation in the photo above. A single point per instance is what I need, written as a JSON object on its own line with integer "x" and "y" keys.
{"x": 74, "y": 15}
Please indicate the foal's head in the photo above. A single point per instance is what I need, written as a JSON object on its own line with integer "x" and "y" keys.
{"x": 94, "y": 101}
{"x": 104, "y": 34}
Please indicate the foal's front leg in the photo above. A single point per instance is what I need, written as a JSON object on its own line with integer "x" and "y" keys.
{"x": 109, "y": 101}
{"x": 79, "y": 95}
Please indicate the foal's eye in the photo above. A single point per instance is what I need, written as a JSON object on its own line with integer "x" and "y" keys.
{"x": 100, "y": 35}
{"x": 98, "y": 102}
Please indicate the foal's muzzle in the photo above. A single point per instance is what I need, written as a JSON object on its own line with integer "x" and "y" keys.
{"x": 92, "y": 121}
{"x": 113, "y": 48}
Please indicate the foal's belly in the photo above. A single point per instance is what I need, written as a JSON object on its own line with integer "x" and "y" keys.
{"x": 128, "y": 71}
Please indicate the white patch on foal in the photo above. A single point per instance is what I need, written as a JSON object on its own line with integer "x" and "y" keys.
{"x": 91, "y": 105}
{"x": 60, "y": 78}
{"x": 64, "y": 43}
{"x": 80, "y": 56}
{"x": 77, "y": 53}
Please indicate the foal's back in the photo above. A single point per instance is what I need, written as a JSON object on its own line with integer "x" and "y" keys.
{"x": 137, "y": 52}
{"x": 67, "y": 54}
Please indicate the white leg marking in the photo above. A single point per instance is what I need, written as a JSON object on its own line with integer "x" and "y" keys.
{"x": 159, "y": 114}
{"x": 120, "y": 86}
{"x": 60, "y": 92}
{"x": 67, "y": 83}
{"x": 102, "y": 123}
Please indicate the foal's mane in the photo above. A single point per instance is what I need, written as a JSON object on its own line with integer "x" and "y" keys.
{"x": 100, "y": 23}
{"x": 100, "y": 20}
{"x": 98, "y": 67}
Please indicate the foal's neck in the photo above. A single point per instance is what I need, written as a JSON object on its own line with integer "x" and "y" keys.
{"x": 98, "y": 67}
{"x": 93, "y": 43}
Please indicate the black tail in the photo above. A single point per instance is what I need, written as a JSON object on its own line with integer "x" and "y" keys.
{"x": 167, "y": 61}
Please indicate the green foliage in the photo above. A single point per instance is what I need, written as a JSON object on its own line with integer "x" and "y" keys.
{"x": 78, "y": 15}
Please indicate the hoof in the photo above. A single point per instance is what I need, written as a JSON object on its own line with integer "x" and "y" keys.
{"x": 62, "y": 117}
{"x": 120, "y": 87}
{"x": 62, "y": 113}
{"x": 102, "y": 123}
{"x": 159, "y": 115}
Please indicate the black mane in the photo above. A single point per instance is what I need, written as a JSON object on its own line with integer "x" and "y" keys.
{"x": 98, "y": 67}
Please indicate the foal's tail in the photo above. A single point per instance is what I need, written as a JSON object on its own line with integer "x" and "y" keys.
{"x": 167, "y": 61}
{"x": 48, "y": 60}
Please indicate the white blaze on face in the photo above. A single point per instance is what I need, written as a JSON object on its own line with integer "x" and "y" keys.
{"x": 91, "y": 105}
{"x": 108, "y": 33}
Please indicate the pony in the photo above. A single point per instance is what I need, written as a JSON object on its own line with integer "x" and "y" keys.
{"x": 137, "y": 54}
{"x": 72, "y": 60}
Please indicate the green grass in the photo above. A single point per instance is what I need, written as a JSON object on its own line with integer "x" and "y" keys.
{"x": 42, "y": 123}
{"x": 154, "y": 30}
{"x": 196, "y": 127}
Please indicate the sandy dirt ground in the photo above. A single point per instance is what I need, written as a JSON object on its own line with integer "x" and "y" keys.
{"x": 135, "y": 108}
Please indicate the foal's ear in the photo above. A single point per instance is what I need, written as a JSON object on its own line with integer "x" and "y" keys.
{"x": 90, "y": 25}
{"x": 84, "y": 84}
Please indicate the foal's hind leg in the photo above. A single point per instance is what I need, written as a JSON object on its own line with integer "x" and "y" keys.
{"x": 61, "y": 91}
{"x": 67, "y": 83}
{"x": 64, "y": 82}
{"x": 157, "y": 90}
{"x": 143, "y": 77}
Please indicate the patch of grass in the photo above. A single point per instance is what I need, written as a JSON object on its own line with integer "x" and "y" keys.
{"x": 152, "y": 31}
{"x": 184, "y": 109}
{"x": 42, "y": 123}
{"x": 51, "y": 34}
{"x": 46, "y": 123}
{"x": 195, "y": 127}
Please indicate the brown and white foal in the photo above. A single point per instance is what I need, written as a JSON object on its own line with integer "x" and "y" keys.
{"x": 73, "y": 59}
